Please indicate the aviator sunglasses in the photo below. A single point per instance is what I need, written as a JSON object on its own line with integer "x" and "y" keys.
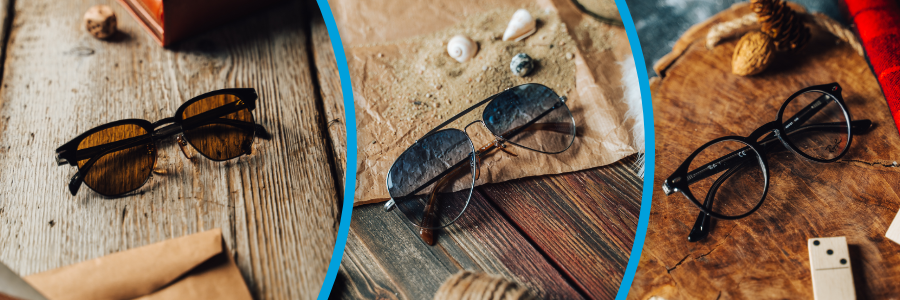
{"x": 431, "y": 182}
{"x": 731, "y": 174}
{"x": 119, "y": 157}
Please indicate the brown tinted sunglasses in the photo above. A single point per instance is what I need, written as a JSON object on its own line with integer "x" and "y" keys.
{"x": 119, "y": 157}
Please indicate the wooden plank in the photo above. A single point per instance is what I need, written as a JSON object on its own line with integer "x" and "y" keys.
{"x": 385, "y": 256}
{"x": 697, "y": 100}
{"x": 329, "y": 84}
{"x": 829, "y": 263}
{"x": 584, "y": 222}
{"x": 277, "y": 207}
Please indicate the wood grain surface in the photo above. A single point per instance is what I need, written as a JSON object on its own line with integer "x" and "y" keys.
{"x": 277, "y": 208}
{"x": 564, "y": 236}
{"x": 697, "y": 99}
{"x": 332, "y": 100}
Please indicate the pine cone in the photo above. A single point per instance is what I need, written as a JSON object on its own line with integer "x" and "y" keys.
{"x": 782, "y": 23}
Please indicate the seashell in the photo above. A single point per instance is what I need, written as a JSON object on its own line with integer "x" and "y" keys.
{"x": 521, "y": 26}
{"x": 461, "y": 48}
{"x": 521, "y": 64}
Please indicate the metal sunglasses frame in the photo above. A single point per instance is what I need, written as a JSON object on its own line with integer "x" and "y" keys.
{"x": 757, "y": 143}
{"x": 68, "y": 153}
{"x": 498, "y": 143}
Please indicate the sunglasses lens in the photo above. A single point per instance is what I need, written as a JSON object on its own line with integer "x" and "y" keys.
{"x": 125, "y": 155}
{"x": 431, "y": 182}
{"x": 727, "y": 177}
{"x": 816, "y": 125}
{"x": 219, "y": 126}
{"x": 531, "y": 116}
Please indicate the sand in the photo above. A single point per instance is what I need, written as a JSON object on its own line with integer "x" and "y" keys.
{"x": 430, "y": 86}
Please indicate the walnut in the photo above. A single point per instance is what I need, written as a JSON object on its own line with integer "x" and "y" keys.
{"x": 753, "y": 53}
{"x": 100, "y": 21}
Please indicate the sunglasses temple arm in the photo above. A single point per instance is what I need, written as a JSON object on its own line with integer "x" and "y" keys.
{"x": 262, "y": 132}
{"x": 212, "y": 114}
{"x": 77, "y": 179}
{"x": 515, "y": 131}
{"x": 430, "y": 216}
{"x": 258, "y": 130}
{"x": 93, "y": 151}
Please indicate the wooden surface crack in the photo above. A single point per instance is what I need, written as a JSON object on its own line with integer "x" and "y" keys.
{"x": 886, "y": 163}
{"x": 669, "y": 270}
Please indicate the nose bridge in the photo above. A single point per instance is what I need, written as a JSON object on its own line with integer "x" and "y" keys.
{"x": 762, "y": 130}
{"x": 166, "y": 130}
{"x": 466, "y": 129}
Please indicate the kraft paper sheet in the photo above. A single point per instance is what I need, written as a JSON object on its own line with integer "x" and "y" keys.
{"x": 374, "y": 29}
{"x": 197, "y": 266}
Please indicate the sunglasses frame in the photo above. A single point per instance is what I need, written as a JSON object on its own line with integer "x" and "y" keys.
{"x": 159, "y": 130}
{"x": 499, "y": 142}
{"x": 682, "y": 178}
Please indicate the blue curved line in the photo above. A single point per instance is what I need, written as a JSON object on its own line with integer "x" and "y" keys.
{"x": 649, "y": 152}
{"x": 350, "y": 178}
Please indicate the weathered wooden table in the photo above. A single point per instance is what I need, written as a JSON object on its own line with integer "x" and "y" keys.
{"x": 278, "y": 208}
{"x": 565, "y": 236}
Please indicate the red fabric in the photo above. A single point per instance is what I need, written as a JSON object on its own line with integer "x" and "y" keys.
{"x": 878, "y": 22}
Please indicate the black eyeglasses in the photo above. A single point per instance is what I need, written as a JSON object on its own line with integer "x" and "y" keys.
{"x": 732, "y": 172}
{"x": 432, "y": 181}
{"x": 119, "y": 157}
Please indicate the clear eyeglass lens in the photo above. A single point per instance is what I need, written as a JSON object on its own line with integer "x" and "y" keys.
{"x": 816, "y": 125}
{"x": 727, "y": 178}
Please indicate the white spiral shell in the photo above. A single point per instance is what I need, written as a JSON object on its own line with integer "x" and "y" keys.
{"x": 461, "y": 48}
{"x": 521, "y": 26}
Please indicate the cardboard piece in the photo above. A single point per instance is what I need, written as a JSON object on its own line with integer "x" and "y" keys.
{"x": 596, "y": 100}
{"x": 197, "y": 266}
{"x": 829, "y": 263}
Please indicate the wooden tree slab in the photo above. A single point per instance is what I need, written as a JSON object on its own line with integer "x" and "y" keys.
{"x": 697, "y": 99}
{"x": 277, "y": 208}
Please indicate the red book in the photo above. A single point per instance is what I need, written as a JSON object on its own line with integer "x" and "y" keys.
{"x": 878, "y": 23}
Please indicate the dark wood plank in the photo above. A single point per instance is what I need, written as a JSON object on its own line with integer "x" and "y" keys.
{"x": 584, "y": 222}
{"x": 277, "y": 207}
{"x": 386, "y": 257}
{"x": 765, "y": 255}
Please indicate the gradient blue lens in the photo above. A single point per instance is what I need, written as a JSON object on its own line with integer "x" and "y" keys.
{"x": 531, "y": 116}
{"x": 431, "y": 182}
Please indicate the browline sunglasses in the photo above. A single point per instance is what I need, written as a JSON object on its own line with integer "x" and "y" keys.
{"x": 119, "y": 157}
{"x": 731, "y": 173}
{"x": 431, "y": 182}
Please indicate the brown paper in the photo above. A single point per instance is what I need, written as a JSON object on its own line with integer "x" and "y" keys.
{"x": 398, "y": 28}
{"x": 190, "y": 267}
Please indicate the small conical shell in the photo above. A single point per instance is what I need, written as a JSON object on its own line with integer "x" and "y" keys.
{"x": 461, "y": 48}
{"x": 521, "y": 26}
